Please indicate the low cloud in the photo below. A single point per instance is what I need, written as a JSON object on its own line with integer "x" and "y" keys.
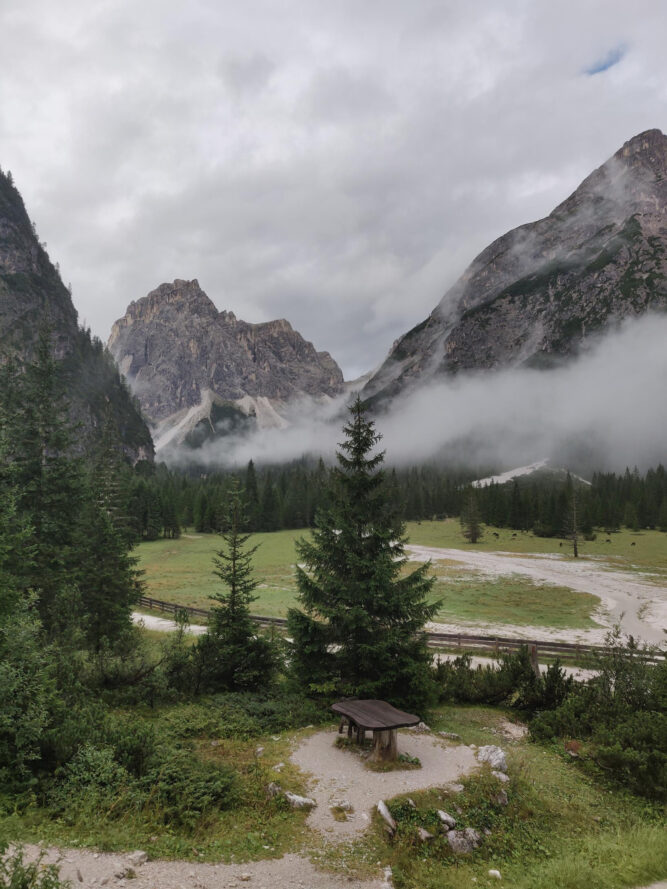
{"x": 604, "y": 410}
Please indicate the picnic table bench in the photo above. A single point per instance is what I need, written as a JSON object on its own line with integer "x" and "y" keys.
{"x": 380, "y": 718}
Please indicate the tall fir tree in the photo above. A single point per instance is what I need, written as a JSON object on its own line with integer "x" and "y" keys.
{"x": 471, "y": 521}
{"x": 232, "y": 656}
{"x": 361, "y": 632}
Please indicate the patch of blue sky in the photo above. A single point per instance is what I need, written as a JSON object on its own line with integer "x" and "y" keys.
{"x": 611, "y": 58}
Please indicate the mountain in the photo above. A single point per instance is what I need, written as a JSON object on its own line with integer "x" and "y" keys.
{"x": 32, "y": 295}
{"x": 538, "y": 292}
{"x": 198, "y": 372}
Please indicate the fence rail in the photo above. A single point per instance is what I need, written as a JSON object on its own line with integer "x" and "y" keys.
{"x": 457, "y": 641}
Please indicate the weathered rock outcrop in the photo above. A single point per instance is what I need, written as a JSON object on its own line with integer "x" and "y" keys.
{"x": 177, "y": 351}
{"x": 32, "y": 295}
{"x": 538, "y": 291}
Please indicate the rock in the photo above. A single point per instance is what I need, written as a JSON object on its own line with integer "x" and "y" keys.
{"x": 411, "y": 803}
{"x": 137, "y": 858}
{"x": 344, "y": 805}
{"x": 424, "y": 835}
{"x": 274, "y": 789}
{"x": 463, "y": 841}
{"x": 495, "y": 874}
{"x": 386, "y": 814}
{"x": 259, "y": 751}
{"x": 494, "y": 756}
{"x": 299, "y": 802}
{"x": 244, "y": 878}
{"x": 32, "y": 295}
{"x": 279, "y": 767}
{"x": 179, "y": 353}
{"x": 388, "y": 878}
{"x": 421, "y": 728}
{"x": 501, "y": 776}
{"x": 501, "y": 798}
{"x": 456, "y": 788}
{"x": 452, "y": 736}
{"x": 79, "y": 875}
{"x": 534, "y": 295}
{"x": 215, "y": 743}
{"x": 447, "y": 820}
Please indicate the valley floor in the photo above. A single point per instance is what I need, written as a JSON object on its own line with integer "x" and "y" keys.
{"x": 638, "y": 606}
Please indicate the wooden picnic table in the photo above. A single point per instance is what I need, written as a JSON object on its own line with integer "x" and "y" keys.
{"x": 380, "y": 718}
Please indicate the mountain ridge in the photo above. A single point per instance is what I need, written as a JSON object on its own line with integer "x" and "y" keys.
{"x": 538, "y": 291}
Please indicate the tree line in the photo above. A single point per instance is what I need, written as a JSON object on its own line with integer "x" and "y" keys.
{"x": 160, "y": 502}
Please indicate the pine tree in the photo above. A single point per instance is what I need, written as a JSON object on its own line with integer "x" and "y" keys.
{"x": 361, "y": 631}
{"x": 471, "y": 522}
{"x": 231, "y": 656}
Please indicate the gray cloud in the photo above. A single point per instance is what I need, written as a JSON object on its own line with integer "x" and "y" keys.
{"x": 335, "y": 164}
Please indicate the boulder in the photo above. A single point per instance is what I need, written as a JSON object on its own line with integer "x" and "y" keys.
{"x": 494, "y": 756}
{"x": 501, "y": 798}
{"x": 299, "y": 802}
{"x": 386, "y": 815}
{"x": 424, "y": 835}
{"x": 137, "y": 858}
{"x": 447, "y": 820}
{"x": 495, "y": 874}
{"x": 501, "y": 776}
{"x": 421, "y": 728}
{"x": 463, "y": 841}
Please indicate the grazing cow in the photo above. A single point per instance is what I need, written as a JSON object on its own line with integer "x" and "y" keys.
{"x": 633, "y": 543}
{"x": 496, "y": 534}
{"x": 561, "y": 543}
{"x": 607, "y": 541}
{"x": 513, "y": 536}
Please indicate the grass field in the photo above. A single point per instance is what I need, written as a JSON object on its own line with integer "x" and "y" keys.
{"x": 181, "y": 571}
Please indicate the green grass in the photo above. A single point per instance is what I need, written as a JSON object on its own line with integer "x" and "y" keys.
{"x": 181, "y": 571}
{"x": 648, "y": 554}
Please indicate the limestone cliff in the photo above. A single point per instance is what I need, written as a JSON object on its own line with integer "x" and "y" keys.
{"x": 180, "y": 356}
{"x": 538, "y": 292}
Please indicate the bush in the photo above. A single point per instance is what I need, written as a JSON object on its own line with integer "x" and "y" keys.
{"x": 16, "y": 874}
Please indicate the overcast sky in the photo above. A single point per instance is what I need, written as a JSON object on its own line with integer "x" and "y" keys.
{"x": 335, "y": 164}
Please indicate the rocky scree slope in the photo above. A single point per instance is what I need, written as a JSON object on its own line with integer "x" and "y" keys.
{"x": 32, "y": 295}
{"x": 182, "y": 358}
{"x": 534, "y": 295}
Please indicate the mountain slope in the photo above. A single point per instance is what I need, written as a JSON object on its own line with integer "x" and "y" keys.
{"x": 189, "y": 364}
{"x": 31, "y": 295}
{"x": 536, "y": 293}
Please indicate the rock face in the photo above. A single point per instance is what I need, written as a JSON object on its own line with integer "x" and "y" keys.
{"x": 32, "y": 295}
{"x": 177, "y": 350}
{"x": 538, "y": 291}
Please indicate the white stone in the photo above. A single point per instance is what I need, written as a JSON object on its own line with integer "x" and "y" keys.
{"x": 494, "y": 756}
{"x": 137, "y": 858}
{"x": 425, "y": 835}
{"x": 501, "y": 776}
{"x": 299, "y": 802}
{"x": 451, "y": 735}
{"x": 386, "y": 814}
{"x": 495, "y": 874}
{"x": 447, "y": 820}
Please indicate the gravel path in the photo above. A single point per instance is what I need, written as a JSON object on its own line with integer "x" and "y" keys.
{"x": 163, "y": 624}
{"x": 340, "y": 775}
{"x": 640, "y": 608}
{"x": 93, "y": 870}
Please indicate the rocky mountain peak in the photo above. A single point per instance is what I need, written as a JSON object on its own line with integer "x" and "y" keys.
{"x": 176, "y": 349}
{"x": 537, "y": 293}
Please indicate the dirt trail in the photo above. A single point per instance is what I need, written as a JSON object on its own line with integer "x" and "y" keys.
{"x": 93, "y": 870}
{"x": 341, "y": 775}
{"x": 640, "y": 608}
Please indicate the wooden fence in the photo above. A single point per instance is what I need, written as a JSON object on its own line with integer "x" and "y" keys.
{"x": 472, "y": 644}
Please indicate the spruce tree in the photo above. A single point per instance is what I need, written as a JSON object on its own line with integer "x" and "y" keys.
{"x": 231, "y": 656}
{"x": 471, "y": 522}
{"x": 361, "y": 632}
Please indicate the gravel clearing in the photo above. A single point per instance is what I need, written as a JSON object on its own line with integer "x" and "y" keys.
{"x": 341, "y": 775}
{"x": 639, "y": 607}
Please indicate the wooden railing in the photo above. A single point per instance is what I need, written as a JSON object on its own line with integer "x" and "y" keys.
{"x": 450, "y": 641}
